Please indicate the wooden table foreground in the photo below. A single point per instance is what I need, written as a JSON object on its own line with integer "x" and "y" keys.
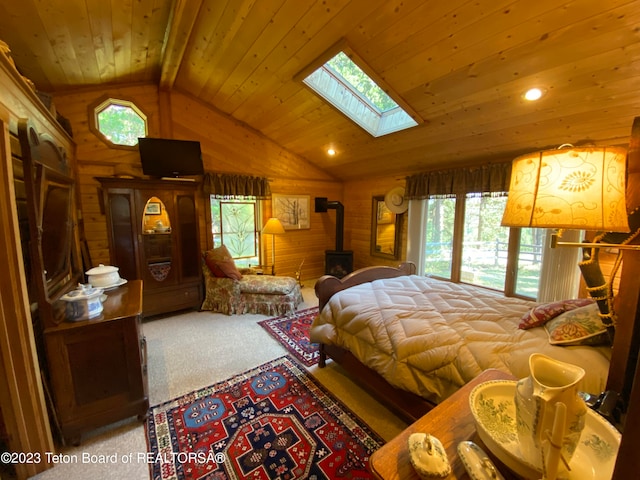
{"x": 451, "y": 422}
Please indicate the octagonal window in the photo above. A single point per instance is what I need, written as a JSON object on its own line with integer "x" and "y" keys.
{"x": 120, "y": 122}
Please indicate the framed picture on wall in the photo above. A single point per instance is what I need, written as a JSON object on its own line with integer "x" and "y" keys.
{"x": 153, "y": 208}
{"x": 292, "y": 210}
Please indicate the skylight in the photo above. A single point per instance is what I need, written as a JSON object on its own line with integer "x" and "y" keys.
{"x": 347, "y": 87}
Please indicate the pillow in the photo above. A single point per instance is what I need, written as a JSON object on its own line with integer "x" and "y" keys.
{"x": 211, "y": 257}
{"x": 215, "y": 269}
{"x": 580, "y": 326}
{"x": 228, "y": 266}
{"x": 540, "y": 314}
{"x": 221, "y": 264}
{"x": 219, "y": 253}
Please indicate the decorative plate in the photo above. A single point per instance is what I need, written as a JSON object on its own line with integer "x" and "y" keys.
{"x": 119, "y": 283}
{"x": 494, "y": 411}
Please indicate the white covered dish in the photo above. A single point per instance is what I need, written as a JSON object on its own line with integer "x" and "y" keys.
{"x": 103, "y": 276}
{"x": 428, "y": 456}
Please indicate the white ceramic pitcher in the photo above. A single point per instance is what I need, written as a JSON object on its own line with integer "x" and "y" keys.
{"x": 551, "y": 381}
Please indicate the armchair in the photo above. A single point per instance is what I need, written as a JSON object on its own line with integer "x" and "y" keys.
{"x": 251, "y": 293}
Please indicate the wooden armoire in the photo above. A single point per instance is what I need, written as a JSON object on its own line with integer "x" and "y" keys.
{"x": 153, "y": 236}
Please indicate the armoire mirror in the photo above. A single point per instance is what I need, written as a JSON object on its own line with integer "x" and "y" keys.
{"x": 158, "y": 244}
{"x": 155, "y": 218}
{"x": 51, "y": 211}
{"x": 57, "y": 241}
{"x": 385, "y": 230}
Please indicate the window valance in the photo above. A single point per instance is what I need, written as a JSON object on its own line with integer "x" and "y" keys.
{"x": 492, "y": 179}
{"x": 231, "y": 184}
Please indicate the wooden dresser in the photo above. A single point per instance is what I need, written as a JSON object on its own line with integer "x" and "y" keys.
{"x": 98, "y": 367}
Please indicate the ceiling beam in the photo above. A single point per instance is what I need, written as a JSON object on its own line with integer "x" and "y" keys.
{"x": 179, "y": 29}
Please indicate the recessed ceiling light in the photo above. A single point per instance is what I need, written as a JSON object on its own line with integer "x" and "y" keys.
{"x": 533, "y": 94}
{"x": 331, "y": 151}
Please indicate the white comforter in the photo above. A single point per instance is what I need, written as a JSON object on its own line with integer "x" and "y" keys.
{"x": 431, "y": 337}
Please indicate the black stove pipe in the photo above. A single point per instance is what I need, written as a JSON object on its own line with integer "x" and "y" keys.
{"x": 322, "y": 205}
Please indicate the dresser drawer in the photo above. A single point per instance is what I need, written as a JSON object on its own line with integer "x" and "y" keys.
{"x": 177, "y": 297}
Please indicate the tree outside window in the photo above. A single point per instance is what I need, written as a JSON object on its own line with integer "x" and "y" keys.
{"x": 119, "y": 122}
{"x": 233, "y": 224}
{"x": 483, "y": 253}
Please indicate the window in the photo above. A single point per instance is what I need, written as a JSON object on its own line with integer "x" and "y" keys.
{"x": 344, "y": 84}
{"x": 529, "y": 266}
{"x": 438, "y": 252}
{"x": 481, "y": 255}
{"x": 119, "y": 122}
{"x": 234, "y": 223}
{"x": 485, "y": 243}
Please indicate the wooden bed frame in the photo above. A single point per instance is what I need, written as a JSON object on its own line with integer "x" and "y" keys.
{"x": 328, "y": 285}
{"x": 406, "y": 405}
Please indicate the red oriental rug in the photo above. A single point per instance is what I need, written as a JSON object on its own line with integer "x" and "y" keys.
{"x": 272, "y": 422}
{"x": 293, "y": 332}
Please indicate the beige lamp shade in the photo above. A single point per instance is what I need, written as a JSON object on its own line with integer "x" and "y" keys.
{"x": 273, "y": 227}
{"x": 574, "y": 188}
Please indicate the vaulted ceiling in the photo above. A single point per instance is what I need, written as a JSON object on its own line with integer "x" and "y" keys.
{"x": 462, "y": 65}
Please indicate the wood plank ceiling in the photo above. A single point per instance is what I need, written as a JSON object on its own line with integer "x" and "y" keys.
{"x": 462, "y": 65}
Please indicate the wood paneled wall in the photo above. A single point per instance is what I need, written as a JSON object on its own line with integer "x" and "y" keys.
{"x": 309, "y": 245}
{"x": 227, "y": 146}
{"x": 97, "y": 159}
{"x": 357, "y": 211}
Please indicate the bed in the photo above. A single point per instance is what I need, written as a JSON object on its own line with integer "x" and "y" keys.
{"x": 415, "y": 340}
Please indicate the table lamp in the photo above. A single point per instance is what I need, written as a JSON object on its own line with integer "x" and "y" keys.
{"x": 580, "y": 188}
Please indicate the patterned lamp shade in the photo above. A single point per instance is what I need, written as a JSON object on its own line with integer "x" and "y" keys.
{"x": 574, "y": 188}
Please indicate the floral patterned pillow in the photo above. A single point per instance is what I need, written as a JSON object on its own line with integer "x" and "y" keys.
{"x": 541, "y": 314}
{"x": 580, "y": 326}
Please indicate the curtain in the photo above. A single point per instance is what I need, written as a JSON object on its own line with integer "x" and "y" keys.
{"x": 487, "y": 179}
{"x": 560, "y": 274}
{"x": 231, "y": 185}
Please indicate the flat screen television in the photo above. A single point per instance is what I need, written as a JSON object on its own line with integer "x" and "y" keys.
{"x": 166, "y": 157}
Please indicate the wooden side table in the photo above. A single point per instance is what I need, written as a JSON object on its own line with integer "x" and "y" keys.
{"x": 451, "y": 422}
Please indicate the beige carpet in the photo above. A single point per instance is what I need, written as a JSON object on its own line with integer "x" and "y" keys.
{"x": 189, "y": 351}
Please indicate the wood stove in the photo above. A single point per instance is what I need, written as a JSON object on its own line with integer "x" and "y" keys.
{"x": 338, "y": 262}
